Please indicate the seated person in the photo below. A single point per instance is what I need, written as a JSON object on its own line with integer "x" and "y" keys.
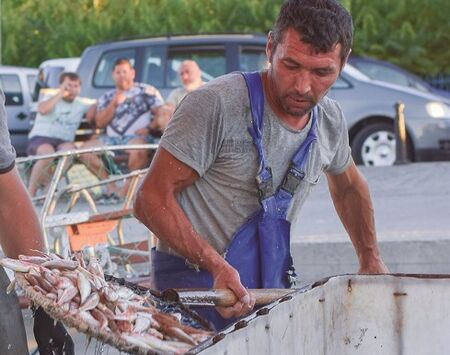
{"x": 127, "y": 113}
{"x": 190, "y": 76}
{"x": 54, "y": 129}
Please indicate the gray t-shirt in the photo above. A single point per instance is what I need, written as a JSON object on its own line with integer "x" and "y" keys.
{"x": 208, "y": 132}
{"x": 7, "y": 152}
{"x": 176, "y": 95}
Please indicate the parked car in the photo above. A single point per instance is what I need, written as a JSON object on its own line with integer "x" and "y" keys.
{"x": 50, "y": 70}
{"x": 391, "y": 73}
{"x": 156, "y": 60}
{"x": 18, "y": 83}
{"x": 368, "y": 106}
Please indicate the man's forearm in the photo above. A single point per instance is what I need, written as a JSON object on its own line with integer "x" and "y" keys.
{"x": 179, "y": 234}
{"x": 354, "y": 207}
{"x": 47, "y": 106}
{"x": 20, "y": 231}
{"x": 102, "y": 118}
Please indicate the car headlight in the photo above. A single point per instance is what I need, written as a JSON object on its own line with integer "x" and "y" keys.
{"x": 438, "y": 109}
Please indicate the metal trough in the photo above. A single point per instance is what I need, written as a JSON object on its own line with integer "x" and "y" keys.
{"x": 349, "y": 314}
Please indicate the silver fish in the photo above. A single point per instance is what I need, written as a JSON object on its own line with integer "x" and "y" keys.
{"x": 48, "y": 275}
{"x": 90, "y": 303}
{"x": 132, "y": 339}
{"x": 33, "y": 259}
{"x": 67, "y": 295}
{"x": 89, "y": 319}
{"x": 181, "y": 335}
{"x": 15, "y": 265}
{"x": 110, "y": 294}
{"x": 141, "y": 324}
{"x": 60, "y": 264}
{"x": 155, "y": 343}
{"x": 84, "y": 286}
{"x": 100, "y": 317}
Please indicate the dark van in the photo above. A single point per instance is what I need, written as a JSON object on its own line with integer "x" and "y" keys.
{"x": 156, "y": 60}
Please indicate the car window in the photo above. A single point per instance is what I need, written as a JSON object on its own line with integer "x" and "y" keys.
{"x": 382, "y": 73}
{"x": 419, "y": 86}
{"x": 10, "y": 84}
{"x": 211, "y": 61}
{"x": 153, "y": 67}
{"x": 31, "y": 80}
{"x": 102, "y": 75}
{"x": 341, "y": 83}
{"x": 252, "y": 59}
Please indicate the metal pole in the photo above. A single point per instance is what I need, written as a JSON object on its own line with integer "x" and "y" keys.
{"x": 401, "y": 153}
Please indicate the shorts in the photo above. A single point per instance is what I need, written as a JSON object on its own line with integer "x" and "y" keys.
{"x": 123, "y": 140}
{"x": 36, "y": 141}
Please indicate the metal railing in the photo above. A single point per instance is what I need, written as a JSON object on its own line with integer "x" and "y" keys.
{"x": 63, "y": 161}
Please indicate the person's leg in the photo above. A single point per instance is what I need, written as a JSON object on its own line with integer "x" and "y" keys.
{"x": 95, "y": 164}
{"x": 65, "y": 147}
{"x": 40, "y": 171}
{"x": 137, "y": 159}
{"x": 13, "y": 339}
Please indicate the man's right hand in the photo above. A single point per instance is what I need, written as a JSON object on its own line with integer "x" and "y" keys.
{"x": 119, "y": 97}
{"x": 228, "y": 277}
{"x": 63, "y": 92}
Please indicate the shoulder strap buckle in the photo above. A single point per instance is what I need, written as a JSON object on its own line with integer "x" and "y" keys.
{"x": 292, "y": 179}
{"x": 265, "y": 184}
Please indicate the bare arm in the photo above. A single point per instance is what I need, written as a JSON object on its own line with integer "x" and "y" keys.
{"x": 351, "y": 198}
{"x": 103, "y": 117}
{"x": 161, "y": 117}
{"x": 20, "y": 232}
{"x": 48, "y": 105}
{"x": 156, "y": 206}
{"x": 90, "y": 114}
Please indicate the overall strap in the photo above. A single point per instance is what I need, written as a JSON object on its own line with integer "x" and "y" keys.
{"x": 256, "y": 99}
{"x": 296, "y": 172}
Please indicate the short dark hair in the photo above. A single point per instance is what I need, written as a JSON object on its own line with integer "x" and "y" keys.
{"x": 71, "y": 76}
{"x": 121, "y": 61}
{"x": 320, "y": 23}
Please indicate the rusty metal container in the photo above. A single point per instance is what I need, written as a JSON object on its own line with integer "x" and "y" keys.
{"x": 348, "y": 314}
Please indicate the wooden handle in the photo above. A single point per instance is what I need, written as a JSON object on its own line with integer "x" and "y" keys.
{"x": 226, "y": 298}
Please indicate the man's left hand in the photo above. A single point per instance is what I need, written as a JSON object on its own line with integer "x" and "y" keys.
{"x": 51, "y": 337}
{"x": 374, "y": 267}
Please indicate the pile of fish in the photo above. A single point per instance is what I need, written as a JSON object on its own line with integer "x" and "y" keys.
{"x": 108, "y": 311}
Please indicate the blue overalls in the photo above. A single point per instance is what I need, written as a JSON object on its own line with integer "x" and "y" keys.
{"x": 260, "y": 249}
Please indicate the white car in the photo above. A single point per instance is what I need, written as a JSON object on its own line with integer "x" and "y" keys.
{"x": 51, "y": 69}
{"x": 18, "y": 84}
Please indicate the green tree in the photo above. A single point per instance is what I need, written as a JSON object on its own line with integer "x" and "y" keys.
{"x": 410, "y": 33}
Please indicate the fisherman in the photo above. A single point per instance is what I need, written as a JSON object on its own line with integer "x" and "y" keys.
{"x": 20, "y": 233}
{"x": 240, "y": 156}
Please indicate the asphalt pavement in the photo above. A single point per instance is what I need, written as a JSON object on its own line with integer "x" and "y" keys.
{"x": 411, "y": 204}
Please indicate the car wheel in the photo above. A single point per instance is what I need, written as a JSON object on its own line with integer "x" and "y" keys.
{"x": 374, "y": 145}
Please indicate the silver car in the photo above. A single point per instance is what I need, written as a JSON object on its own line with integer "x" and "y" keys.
{"x": 369, "y": 107}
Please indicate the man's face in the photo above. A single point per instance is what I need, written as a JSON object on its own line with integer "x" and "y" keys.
{"x": 123, "y": 76}
{"x": 71, "y": 88}
{"x": 189, "y": 73}
{"x": 298, "y": 76}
